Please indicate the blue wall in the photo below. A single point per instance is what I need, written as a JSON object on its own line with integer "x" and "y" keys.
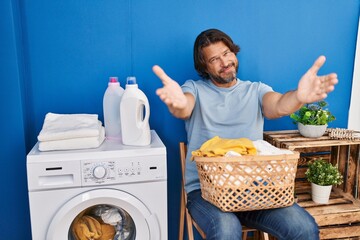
{"x": 56, "y": 56}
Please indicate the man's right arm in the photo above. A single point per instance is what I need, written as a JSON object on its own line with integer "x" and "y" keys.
{"x": 180, "y": 104}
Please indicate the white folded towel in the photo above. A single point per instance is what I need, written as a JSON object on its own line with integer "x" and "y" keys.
{"x": 265, "y": 148}
{"x": 74, "y": 143}
{"x": 68, "y": 126}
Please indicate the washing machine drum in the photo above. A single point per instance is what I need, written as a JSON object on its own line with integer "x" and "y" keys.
{"x": 104, "y": 222}
{"x": 104, "y": 214}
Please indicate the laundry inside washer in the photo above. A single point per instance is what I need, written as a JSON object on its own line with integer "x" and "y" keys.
{"x": 103, "y": 222}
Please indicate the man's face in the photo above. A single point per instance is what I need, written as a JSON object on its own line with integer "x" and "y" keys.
{"x": 222, "y": 64}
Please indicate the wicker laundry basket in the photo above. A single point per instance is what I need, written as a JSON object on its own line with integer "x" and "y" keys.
{"x": 248, "y": 183}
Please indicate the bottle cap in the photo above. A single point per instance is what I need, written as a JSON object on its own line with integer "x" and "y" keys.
{"x": 131, "y": 80}
{"x": 113, "y": 79}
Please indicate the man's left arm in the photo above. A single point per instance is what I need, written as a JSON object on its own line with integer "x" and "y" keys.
{"x": 311, "y": 88}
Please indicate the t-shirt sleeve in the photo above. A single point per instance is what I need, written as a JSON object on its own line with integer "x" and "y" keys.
{"x": 189, "y": 87}
{"x": 263, "y": 89}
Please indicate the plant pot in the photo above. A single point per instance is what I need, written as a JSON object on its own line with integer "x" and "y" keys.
{"x": 320, "y": 194}
{"x": 312, "y": 131}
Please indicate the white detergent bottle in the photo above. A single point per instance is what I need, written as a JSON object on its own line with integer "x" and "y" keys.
{"x": 134, "y": 114}
{"x": 111, "y": 104}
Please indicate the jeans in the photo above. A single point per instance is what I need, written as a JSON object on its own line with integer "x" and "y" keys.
{"x": 288, "y": 223}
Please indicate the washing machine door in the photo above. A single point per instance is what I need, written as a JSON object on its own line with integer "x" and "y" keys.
{"x": 146, "y": 223}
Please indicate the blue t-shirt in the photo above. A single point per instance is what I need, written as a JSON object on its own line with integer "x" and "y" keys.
{"x": 233, "y": 112}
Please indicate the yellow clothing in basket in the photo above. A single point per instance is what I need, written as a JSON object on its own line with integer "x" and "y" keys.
{"x": 217, "y": 147}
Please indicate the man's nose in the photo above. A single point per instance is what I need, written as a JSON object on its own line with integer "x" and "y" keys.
{"x": 223, "y": 61}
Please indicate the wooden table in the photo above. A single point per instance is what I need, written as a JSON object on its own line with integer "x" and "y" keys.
{"x": 340, "y": 218}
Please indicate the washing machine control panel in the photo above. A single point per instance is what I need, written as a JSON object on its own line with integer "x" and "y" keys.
{"x": 114, "y": 171}
{"x": 98, "y": 172}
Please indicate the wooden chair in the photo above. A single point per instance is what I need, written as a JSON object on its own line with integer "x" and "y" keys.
{"x": 185, "y": 216}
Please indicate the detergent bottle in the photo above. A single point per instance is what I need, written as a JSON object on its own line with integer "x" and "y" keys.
{"x": 111, "y": 108}
{"x": 134, "y": 114}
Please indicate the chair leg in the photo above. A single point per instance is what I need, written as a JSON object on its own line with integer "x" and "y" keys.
{"x": 189, "y": 226}
{"x": 244, "y": 235}
{"x": 182, "y": 216}
{"x": 264, "y": 236}
{"x": 258, "y": 235}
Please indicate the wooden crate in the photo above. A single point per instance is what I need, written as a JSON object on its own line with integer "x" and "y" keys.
{"x": 340, "y": 218}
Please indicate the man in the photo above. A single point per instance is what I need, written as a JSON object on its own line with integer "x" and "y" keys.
{"x": 222, "y": 105}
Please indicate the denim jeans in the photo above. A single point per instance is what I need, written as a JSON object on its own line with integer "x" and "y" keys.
{"x": 288, "y": 223}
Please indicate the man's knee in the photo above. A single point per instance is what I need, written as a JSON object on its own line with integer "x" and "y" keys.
{"x": 305, "y": 228}
{"x": 225, "y": 226}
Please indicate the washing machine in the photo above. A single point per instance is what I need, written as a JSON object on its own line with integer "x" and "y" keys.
{"x": 112, "y": 192}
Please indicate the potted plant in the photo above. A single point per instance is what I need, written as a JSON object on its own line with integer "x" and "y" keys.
{"x": 312, "y": 119}
{"x": 322, "y": 175}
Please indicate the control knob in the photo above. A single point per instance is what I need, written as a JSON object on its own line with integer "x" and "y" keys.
{"x": 99, "y": 172}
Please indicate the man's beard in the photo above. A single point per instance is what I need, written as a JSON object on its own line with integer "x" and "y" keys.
{"x": 228, "y": 78}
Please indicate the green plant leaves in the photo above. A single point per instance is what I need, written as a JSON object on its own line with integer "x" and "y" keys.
{"x": 313, "y": 114}
{"x": 323, "y": 173}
